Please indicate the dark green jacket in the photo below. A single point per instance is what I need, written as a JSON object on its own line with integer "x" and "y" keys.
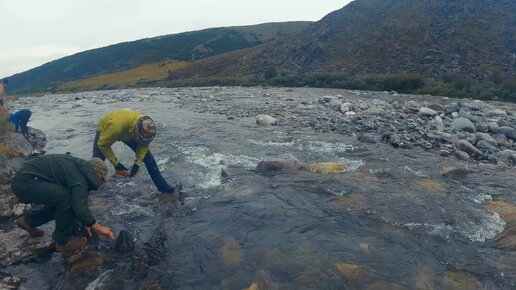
{"x": 71, "y": 172}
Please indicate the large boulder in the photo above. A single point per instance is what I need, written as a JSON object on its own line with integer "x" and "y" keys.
{"x": 464, "y": 124}
{"x": 16, "y": 245}
{"x": 465, "y": 146}
{"x": 265, "y": 120}
{"x": 427, "y": 112}
{"x": 285, "y": 163}
{"x": 37, "y": 138}
{"x": 486, "y": 137}
{"x": 509, "y": 132}
{"x": 506, "y": 156}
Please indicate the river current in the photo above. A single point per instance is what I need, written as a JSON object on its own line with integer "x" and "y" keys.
{"x": 401, "y": 225}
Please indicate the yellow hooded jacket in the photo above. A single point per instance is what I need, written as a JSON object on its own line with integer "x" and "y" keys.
{"x": 119, "y": 126}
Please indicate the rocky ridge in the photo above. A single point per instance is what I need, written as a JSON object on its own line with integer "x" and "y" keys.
{"x": 474, "y": 38}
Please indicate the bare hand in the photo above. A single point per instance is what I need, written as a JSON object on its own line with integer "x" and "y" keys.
{"x": 88, "y": 231}
{"x": 107, "y": 232}
{"x": 103, "y": 231}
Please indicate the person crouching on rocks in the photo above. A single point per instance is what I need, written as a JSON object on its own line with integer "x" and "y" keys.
{"x": 61, "y": 183}
{"x": 137, "y": 132}
{"x": 20, "y": 120}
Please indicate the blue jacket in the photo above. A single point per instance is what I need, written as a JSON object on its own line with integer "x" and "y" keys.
{"x": 20, "y": 116}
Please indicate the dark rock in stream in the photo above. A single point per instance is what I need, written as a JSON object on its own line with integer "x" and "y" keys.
{"x": 455, "y": 173}
{"x": 285, "y": 163}
{"x": 367, "y": 138}
{"x": 124, "y": 242}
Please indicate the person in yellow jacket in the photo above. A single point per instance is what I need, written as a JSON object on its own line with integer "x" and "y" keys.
{"x": 136, "y": 131}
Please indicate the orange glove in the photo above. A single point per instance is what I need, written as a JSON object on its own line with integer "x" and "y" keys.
{"x": 120, "y": 170}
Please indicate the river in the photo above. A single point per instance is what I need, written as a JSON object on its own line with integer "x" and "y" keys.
{"x": 400, "y": 225}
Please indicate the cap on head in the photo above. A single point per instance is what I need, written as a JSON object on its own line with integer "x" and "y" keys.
{"x": 145, "y": 130}
{"x": 100, "y": 167}
{"x": 5, "y": 81}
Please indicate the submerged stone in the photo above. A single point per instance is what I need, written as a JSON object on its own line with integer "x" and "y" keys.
{"x": 231, "y": 253}
{"x": 327, "y": 167}
{"x": 263, "y": 282}
{"x": 505, "y": 209}
{"x": 425, "y": 279}
{"x": 382, "y": 285}
{"x": 84, "y": 261}
{"x": 431, "y": 185}
{"x": 349, "y": 202}
{"x": 460, "y": 280}
{"x": 357, "y": 273}
{"x": 507, "y": 239}
{"x": 454, "y": 172}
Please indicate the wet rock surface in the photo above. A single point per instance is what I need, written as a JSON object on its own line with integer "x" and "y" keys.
{"x": 17, "y": 246}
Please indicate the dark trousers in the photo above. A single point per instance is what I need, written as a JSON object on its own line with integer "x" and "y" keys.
{"x": 56, "y": 200}
{"x": 148, "y": 160}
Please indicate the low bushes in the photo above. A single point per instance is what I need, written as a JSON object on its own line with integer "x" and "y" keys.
{"x": 450, "y": 85}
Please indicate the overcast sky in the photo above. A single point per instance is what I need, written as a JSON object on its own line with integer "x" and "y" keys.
{"x": 33, "y": 32}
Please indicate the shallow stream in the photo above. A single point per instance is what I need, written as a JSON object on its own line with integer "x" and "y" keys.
{"x": 399, "y": 226}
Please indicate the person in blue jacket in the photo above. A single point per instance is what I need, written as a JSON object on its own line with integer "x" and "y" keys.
{"x": 20, "y": 120}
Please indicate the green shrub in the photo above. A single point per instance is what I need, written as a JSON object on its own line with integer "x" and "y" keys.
{"x": 9, "y": 152}
{"x": 270, "y": 73}
{"x": 510, "y": 85}
{"x": 5, "y": 127}
{"x": 402, "y": 82}
{"x": 451, "y": 85}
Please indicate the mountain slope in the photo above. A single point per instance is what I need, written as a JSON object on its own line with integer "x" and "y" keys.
{"x": 188, "y": 46}
{"x": 475, "y": 38}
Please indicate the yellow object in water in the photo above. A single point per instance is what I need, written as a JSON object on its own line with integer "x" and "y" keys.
{"x": 327, "y": 167}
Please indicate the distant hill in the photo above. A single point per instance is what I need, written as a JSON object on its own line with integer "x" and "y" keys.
{"x": 474, "y": 38}
{"x": 188, "y": 46}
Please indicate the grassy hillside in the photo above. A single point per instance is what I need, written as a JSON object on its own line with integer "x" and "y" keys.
{"x": 188, "y": 46}
{"x": 124, "y": 79}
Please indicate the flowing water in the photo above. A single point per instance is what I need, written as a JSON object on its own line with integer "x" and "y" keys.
{"x": 399, "y": 226}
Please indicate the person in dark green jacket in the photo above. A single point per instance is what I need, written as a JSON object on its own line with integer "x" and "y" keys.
{"x": 62, "y": 184}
